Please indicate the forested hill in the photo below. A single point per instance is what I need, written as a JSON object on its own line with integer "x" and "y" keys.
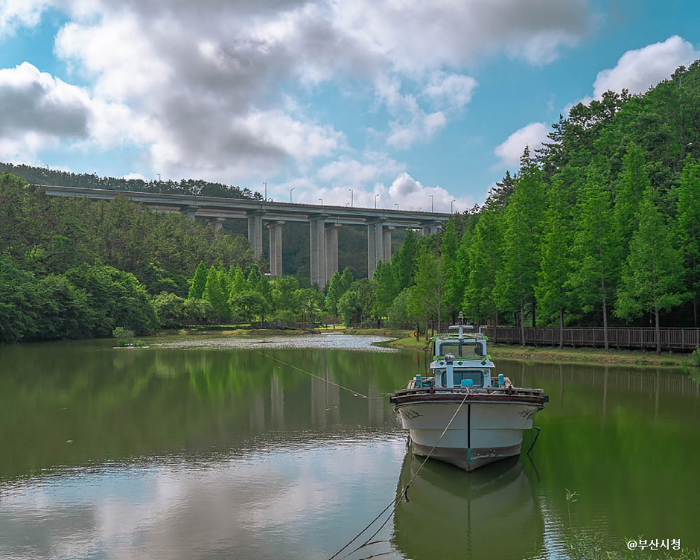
{"x": 44, "y": 176}
{"x": 601, "y": 226}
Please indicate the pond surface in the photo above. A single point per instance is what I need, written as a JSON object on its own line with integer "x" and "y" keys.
{"x": 286, "y": 448}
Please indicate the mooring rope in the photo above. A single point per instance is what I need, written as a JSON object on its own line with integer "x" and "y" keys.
{"x": 355, "y": 393}
{"x": 396, "y": 501}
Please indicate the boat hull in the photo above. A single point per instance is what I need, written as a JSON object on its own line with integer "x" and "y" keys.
{"x": 479, "y": 430}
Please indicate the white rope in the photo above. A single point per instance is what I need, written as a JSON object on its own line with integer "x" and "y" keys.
{"x": 396, "y": 501}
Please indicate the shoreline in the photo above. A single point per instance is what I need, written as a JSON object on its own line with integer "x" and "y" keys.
{"x": 405, "y": 340}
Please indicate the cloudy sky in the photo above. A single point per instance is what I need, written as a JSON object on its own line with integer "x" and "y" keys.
{"x": 403, "y": 99}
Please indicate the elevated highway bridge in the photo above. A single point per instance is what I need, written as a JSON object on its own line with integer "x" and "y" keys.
{"x": 324, "y": 222}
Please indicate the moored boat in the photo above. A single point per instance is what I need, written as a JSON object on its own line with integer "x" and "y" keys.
{"x": 462, "y": 413}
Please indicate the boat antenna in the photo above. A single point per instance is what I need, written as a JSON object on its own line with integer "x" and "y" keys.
{"x": 461, "y": 331}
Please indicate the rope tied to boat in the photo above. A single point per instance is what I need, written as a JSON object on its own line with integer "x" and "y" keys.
{"x": 403, "y": 492}
{"x": 354, "y": 393}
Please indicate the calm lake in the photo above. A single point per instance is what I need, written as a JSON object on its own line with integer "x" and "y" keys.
{"x": 287, "y": 448}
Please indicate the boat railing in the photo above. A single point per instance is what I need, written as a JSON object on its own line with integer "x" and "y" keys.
{"x": 428, "y": 387}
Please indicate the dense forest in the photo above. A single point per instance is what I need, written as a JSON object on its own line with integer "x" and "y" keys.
{"x": 47, "y": 176}
{"x": 598, "y": 228}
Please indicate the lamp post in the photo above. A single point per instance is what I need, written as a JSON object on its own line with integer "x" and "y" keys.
{"x": 375, "y": 200}
{"x": 453, "y": 200}
{"x": 351, "y": 195}
{"x": 397, "y": 205}
{"x": 290, "y": 193}
{"x": 432, "y": 207}
{"x": 321, "y": 201}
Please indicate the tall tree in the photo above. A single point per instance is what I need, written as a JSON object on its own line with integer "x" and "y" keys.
{"x": 652, "y": 276}
{"x": 425, "y": 297}
{"x": 199, "y": 282}
{"x": 403, "y": 263}
{"x": 515, "y": 283}
{"x": 215, "y": 295}
{"x": 340, "y": 283}
{"x": 687, "y": 229}
{"x": 385, "y": 292}
{"x": 480, "y": 255}
{"x": 453, "y": 275}
{"x": 555, "y": 265}
{"x": 632, "y": 183}
{"x": 595, "y": 248}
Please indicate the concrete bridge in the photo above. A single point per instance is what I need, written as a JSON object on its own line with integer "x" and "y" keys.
{"x": 324, "y": 222}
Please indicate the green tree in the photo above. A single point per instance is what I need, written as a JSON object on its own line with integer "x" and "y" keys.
{"x": 248, "y": 306}
{"x": 595, "y": 249}
{"x": 310, "y": 304}
{"x": 652, "y": 277}
{"x": 340, "y": 283}
{"x": 556, "y": 261}
{"x": 170, "y": 310}
{"x": 238, "y": 282}
{"x": 215, "y": 295}
{"x": 453, "y": 274}
{"x": 517, "y": 276}
{"x": 403, "y": 262}
{"x": 632, "y": 184}
{"x": 385, "y": 294}
{"x": 357, "y": 302}
{"x": 480, "y": 257}
{"x": 426, "y": 295}
{"x": 687, "y": 229}
{"x": 199, "y": 282}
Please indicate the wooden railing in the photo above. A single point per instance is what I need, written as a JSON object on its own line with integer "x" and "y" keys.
{"x": 640, "y": 338}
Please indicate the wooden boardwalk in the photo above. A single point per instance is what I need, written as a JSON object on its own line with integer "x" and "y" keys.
{"x": 683, "y": 340}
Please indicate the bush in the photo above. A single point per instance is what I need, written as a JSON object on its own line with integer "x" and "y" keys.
{"x": 122, "y": 333}
{"x": 695, "y": 358}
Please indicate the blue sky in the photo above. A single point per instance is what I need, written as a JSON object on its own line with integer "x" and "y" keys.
{"x": 419, "y": 103}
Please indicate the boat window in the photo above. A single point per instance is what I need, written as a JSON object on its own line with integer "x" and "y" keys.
{"x": 477, "y": 376}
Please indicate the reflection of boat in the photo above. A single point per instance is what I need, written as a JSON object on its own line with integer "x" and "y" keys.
{"x": 490, "y": 513}
{"x": 461, "y": 414}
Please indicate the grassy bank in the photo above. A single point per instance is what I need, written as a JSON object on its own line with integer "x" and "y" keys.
{"x": 405, "y": 340}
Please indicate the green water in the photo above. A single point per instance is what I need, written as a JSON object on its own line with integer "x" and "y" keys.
{"x": 270, "y": 449}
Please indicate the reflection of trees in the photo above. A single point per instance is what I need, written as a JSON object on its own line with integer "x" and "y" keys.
{"x": 119, "y": 404}
{"x": 624, "y": 439}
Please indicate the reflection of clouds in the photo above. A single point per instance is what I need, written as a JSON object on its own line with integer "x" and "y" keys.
{"x": 325, "y": 341}
{"x": 302, "y": 503}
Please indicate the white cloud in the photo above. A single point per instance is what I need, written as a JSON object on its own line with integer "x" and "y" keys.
{"x": 453, "y": 91}
{"x": 203, "y": 88}
{"x": 417, "y": 36}
{"x": 351, "y": 172}
{"x": 638, "y": 70}
{"x": 41, "y": 111}
{"x": 532, "y": 136}
{"x": 16, "y": 13}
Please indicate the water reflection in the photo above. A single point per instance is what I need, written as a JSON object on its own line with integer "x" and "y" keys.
{"x": 229, "y": 453}
{"x": 488, "y": 513}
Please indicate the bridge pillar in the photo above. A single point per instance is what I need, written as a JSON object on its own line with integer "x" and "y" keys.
{"x": 427, "y": 229}
{"x": 255, "y": 233}
{"x": 387, "y": 243}
{"x": 190, "y": 211}
{"x": 317, "y": 240}
{"x": 331, "y": 251}
{"x": 275, "y": 248}
{"x": 375, "y": 246}
{"x": 217, "y": 224}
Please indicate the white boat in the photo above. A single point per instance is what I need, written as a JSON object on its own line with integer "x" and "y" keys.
{"x": 462, "y": 413}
